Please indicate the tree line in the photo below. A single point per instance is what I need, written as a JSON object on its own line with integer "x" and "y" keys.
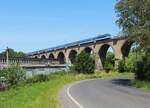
{"x": 12, "y": 53}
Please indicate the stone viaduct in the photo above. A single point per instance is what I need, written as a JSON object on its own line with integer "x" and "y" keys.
{"x": 97, "y": 46}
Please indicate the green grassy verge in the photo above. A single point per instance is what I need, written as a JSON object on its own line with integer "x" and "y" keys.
{"x": 45, "y": 94}
{"x": 141, "y": 84}
{"x": 112, "y": 74}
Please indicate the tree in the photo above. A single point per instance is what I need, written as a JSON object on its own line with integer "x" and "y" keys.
{"x": 84, "y": 63}
{"x": 134, "y": 19}
{"x": 13, "y": 53}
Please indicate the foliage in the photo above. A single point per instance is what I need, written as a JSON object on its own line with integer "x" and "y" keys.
{"x": 84, "y": 63}
{"x": 146, "y": 68}
{"x": 13, "y": 53}
{"x": 139, "y": 74}
{"x": 128, "y": 63}
{"x": 108, "y": 66}
{"x": 131, "y": 60}
{"x": 121, "y": 66}
{"x": 45, "y": 94}
{"x": 12, "y": 75}
{"x": 142, "y": 70}
{"x": 3, "y": 85}
{"x": 109, "y": 62}
{"x": 134, "y": 18}
{"x": 110, "y": 58}
{"x": 140, "y": 84}
{"x": 38, "y": 78}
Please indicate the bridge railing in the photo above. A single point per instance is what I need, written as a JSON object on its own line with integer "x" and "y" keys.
{"x": 27, "y": 61}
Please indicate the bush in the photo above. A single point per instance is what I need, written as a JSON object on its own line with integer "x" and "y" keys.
{"x": 128, "y": 63}
{"x": 146, "y": 68}
{"x": 121, "y": 66}
{"x": 11, "y": 75}
{"x": 38, "y": 78}
{"x": 84, "y": 63}
{"x": 109, "y": 62}
{"x": 139, "y": 74}
{"x": 110, "y": 58}
{"x": 108, "y": 66}
{"x": 142, "y": 70}
{"x": 131, "y": 60}
{"x": 3, "y": 84}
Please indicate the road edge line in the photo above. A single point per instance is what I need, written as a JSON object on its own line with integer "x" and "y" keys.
{"x": 71, "y": 97}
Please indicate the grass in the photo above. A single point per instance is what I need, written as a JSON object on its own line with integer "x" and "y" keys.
{"x": 141, "y": 84}
{"x": 112, "y": 74}
{"x": 45, "y": 94}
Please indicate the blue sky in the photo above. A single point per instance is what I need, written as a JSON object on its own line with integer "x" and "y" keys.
{"x": 29, "y": 25}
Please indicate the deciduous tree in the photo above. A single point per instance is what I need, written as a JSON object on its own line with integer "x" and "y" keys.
{"x": 134, "y": 19}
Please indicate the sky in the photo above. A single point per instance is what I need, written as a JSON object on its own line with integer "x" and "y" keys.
{"x": 30, "y": 25}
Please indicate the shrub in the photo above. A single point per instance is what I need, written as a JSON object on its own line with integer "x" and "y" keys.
{"x": 121, "y": 66}
{"x": 12, "y": 75}
{"x": 3, "y": 84}
{"x": 142, "y": 70}
{"x": 109, "y": 62}
{"x": 110, "y": 58}
{"x": 84, "y": 63}
{"x": 128, "y": 63}
{"x": 139, "y": 74}
{"x": 146, "y": 68}
{"x": 108, "y": 66}
{"x": 38, "y": 78}
{"x": 131, "y": 60}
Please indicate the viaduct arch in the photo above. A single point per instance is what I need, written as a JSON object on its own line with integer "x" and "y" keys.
{"x": 72, "y": 55}
{"x": 103, "y": 51}
{"x": 61, "y": 57}
{"x": 97, "y": 46}
{"x": 51, "y": 56}
{"x": 43, "y": 57}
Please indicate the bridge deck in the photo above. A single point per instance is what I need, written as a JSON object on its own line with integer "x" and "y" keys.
{"x": 30, "y": 62}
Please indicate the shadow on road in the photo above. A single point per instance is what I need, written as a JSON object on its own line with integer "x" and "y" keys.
{"x": 121, "y": 81}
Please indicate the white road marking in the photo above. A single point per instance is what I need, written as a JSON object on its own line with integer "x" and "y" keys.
{"x": 71, "y": 97}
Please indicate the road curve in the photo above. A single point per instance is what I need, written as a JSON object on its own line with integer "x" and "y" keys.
{"x": 104, "y": 93}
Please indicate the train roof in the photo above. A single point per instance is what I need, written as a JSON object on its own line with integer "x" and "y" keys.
{"x": 89, "y": 40}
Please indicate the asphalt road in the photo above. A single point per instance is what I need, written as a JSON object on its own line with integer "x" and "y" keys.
{"x": 104, "y": 93}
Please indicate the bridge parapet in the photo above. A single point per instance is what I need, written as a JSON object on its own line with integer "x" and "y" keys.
{"x": 27, "y": 61}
